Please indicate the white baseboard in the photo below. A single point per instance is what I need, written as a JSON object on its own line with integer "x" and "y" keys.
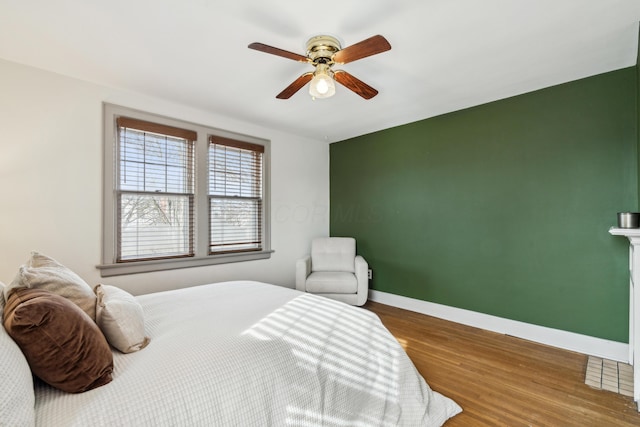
{"x": 599, "y": 347}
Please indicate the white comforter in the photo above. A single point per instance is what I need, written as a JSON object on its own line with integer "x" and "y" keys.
{"x": 253, "y": 354}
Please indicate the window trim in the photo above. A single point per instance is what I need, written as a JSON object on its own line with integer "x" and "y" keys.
{"x": 109, "y": 266}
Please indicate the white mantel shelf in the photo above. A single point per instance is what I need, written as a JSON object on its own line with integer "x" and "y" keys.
{"x": 627, "y": 232}
{"x": 633, "y": 234}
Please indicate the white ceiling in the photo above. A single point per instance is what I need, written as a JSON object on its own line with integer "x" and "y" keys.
{"x": 446, "y": 54}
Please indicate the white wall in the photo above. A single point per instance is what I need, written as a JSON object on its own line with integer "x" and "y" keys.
{"x": 51, "y": 181}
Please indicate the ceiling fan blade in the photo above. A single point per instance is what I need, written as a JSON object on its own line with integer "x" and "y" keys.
{"x": 354, "y": 84}
{"x": 368, "y": 47}
{"x": 295, "y": 86}
{"x": 279, "y": 52}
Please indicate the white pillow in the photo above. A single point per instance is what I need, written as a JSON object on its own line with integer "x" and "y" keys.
{"x": 121, "y": 318}
{"x": 18, "y": 400}
{"x": 42, "y": 272}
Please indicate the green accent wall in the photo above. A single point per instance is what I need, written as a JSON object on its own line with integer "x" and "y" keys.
{"x": 503, "y": 208}
{"x": 638, "y": 105}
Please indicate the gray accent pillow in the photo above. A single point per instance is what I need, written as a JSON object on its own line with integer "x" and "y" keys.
{"x": 18, "y": 399}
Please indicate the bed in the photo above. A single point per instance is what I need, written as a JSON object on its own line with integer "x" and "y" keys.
{"x": 246, "y": 353}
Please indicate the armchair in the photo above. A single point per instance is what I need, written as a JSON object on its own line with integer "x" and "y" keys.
{"x": 334, "y": 270}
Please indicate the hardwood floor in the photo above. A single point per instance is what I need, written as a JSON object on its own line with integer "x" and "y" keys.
{"x": 499, "y": 380}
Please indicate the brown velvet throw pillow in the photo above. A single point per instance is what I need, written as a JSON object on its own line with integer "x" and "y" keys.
{"x": 63, "y": 346}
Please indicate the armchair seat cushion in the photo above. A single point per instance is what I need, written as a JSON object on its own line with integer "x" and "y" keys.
{"x": 332, "y": 282}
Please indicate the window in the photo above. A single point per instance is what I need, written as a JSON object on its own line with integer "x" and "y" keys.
{"x": 235, "y": 195}
{"x": 178, "y": 194}
{"x": 155, "y": 191}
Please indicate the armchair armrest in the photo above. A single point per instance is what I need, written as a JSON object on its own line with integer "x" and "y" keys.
{"x": 303, "y": 269}
{"x": 362, "y": 275}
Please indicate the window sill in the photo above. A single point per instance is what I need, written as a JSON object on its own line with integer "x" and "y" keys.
{"x": 108, "y": 270}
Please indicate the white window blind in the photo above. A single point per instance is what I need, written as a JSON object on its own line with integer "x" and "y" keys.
{"x": 154, "y": 191}
{"x": 235, "y": 196}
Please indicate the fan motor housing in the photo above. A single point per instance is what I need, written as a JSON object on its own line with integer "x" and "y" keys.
{"x": 321, "y": 48}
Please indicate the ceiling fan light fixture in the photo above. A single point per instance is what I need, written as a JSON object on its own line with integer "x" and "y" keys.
{"x": 322, "y": 86}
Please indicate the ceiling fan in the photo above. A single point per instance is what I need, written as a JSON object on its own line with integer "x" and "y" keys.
{"x": 323, "y": 52}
